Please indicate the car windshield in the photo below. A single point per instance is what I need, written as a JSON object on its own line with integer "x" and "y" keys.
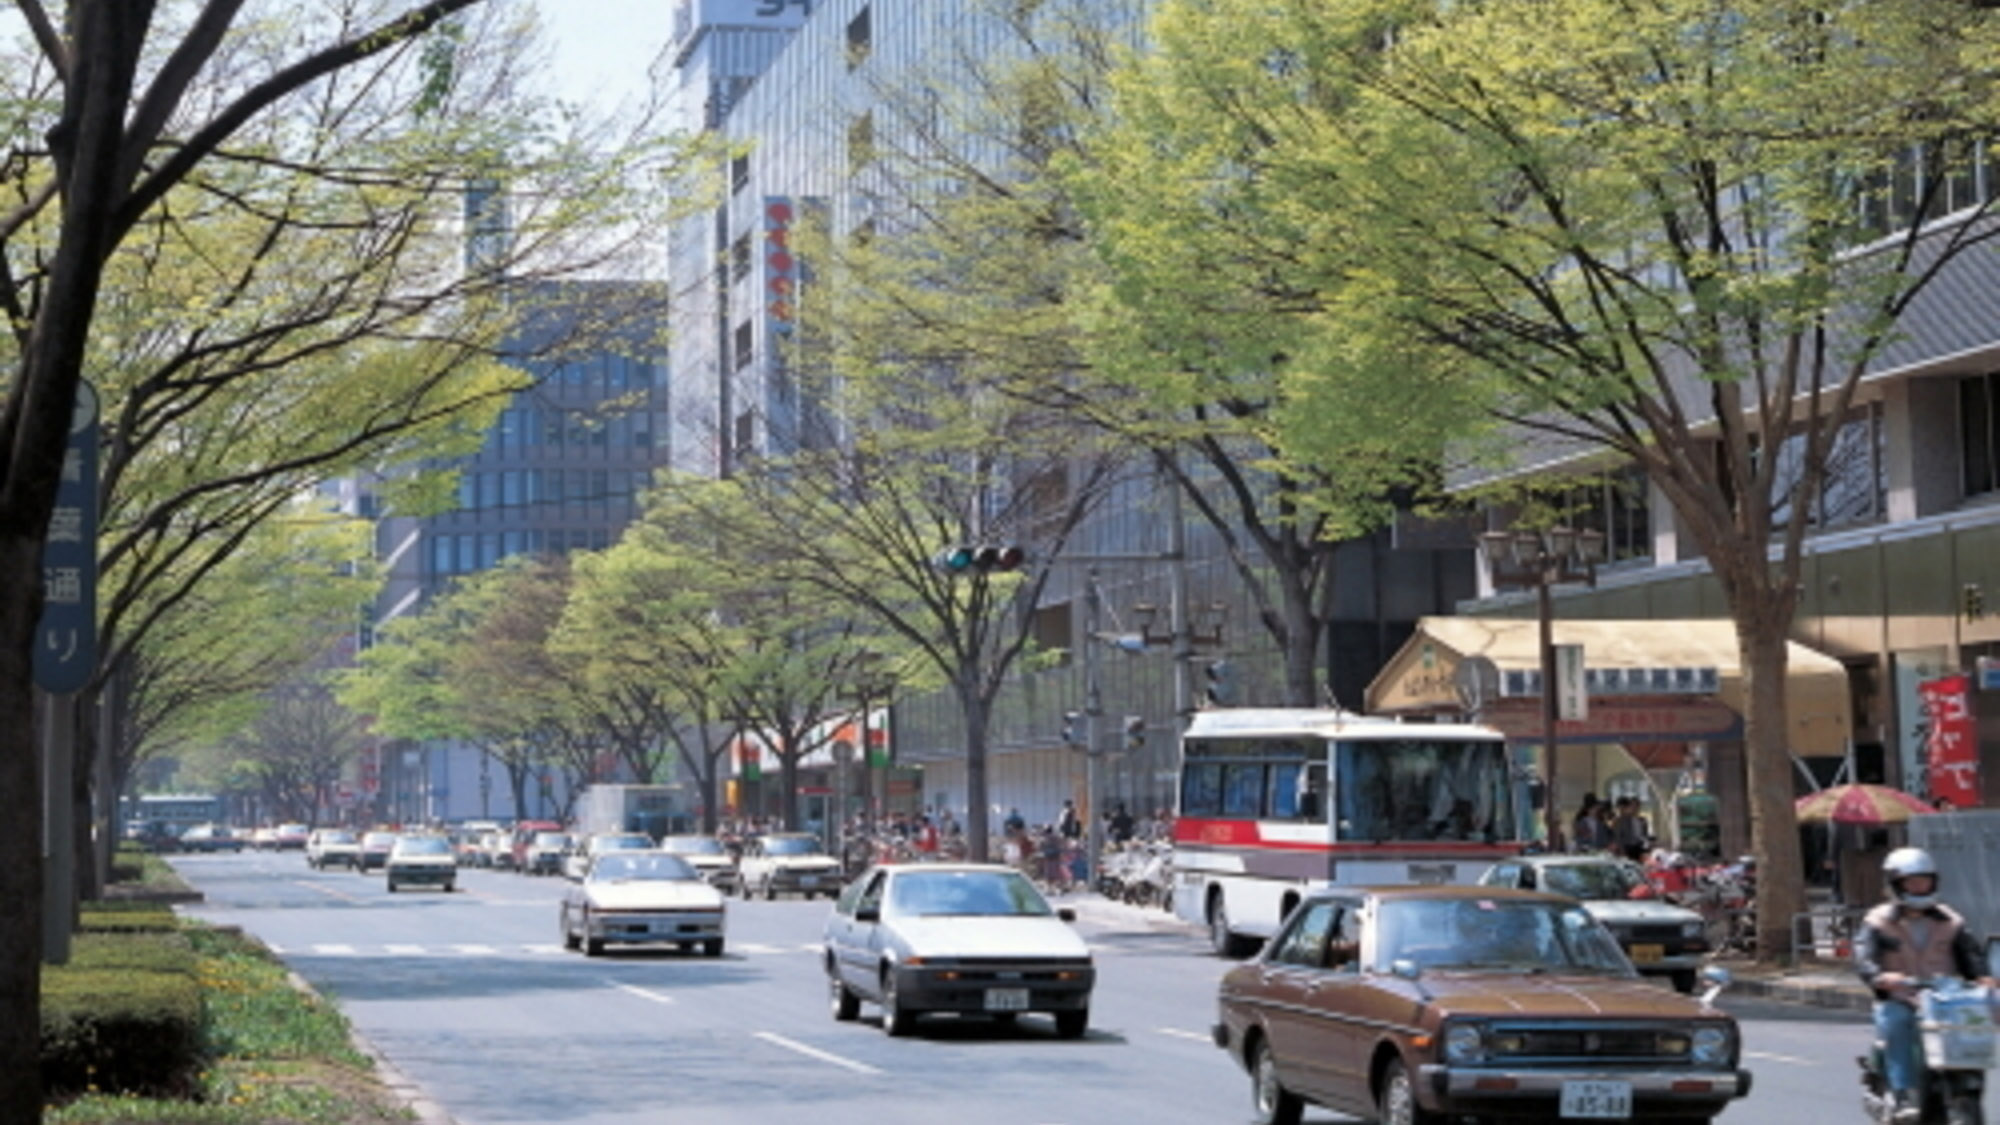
{"x": 627, "y": 843}
{"x": 378, "y": 839}
{"x": 619, "y": 867}
{"x": 326, "y": 838}
{"x": 693, "y": 845}
{"x": 424, "y": 845}
{"x": 790, "y": 845}
{"x": 1591, "y": 880}
{"x": 985, "y": 893}
{"x": 1501, "y": 934}
{"x": 551, "y": 840}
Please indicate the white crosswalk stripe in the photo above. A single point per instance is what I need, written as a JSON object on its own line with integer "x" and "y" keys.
{"x": 413, "y": 950}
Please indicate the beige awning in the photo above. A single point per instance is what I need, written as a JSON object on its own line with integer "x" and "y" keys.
{"x": 1420, "y": 677}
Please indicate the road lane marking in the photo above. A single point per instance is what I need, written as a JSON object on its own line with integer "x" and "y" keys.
{"x": 756, "y": 947}
{"x": 478, "y": 950}
{"x": 1770, "y": 1057}
{"x": 334, "y": 950}
{"x": 1178, "y": 1033}
{"x": 324, "y": 889}
{"x": 551, "y": 948}
{"x": 417, "y": 950}
{"x": 815, "y": 1052}
{"x": 642, "y": 993}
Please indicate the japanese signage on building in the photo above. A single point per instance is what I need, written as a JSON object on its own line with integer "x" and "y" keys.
{"x": 781, "y": 268}
{"x": 692, "y": 15}
{"x": 1951, "y": 743}
{"x": 66, "y": 635}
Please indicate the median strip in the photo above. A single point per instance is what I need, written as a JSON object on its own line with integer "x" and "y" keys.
{"x": 815, "y": 1052}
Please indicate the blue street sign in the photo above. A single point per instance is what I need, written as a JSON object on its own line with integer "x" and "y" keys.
{"x": 66, "y": 635}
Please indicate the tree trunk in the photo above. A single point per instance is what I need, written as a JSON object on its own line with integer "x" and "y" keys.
{"x": 20, "y": 839}
{"x": 977, "y": 712}
{"x": 1768, "y": 768}
{"x": 1301, "y": 648}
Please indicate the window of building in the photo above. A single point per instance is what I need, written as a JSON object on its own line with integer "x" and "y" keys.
{"x": 510, "y": 488}
{"x": 739, "y": 258}
{"x": 1978, "y": 413}
{"x": 739, "y": 172}
{"x": 742, "y": 347}
{"x": 1851, "y": 489}
{"x": 860, "y": 39}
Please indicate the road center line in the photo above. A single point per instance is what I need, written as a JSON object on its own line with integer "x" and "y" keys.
{"x": 1179, "y": 1033}
{"x": 1770, "y": 1057}
{"x": 815, "y": 1052}
{"x": 643, "y": 993}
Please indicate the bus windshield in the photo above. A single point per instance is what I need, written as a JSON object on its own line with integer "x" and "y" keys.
{"x": 1421, "y": 789}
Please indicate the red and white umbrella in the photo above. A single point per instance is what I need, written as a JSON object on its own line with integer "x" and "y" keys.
{"x": 1859, "y": 804}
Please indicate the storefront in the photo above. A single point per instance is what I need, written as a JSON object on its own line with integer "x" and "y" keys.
{"x": 1663, "y": 705}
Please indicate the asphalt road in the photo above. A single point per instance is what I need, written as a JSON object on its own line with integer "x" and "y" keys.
{"x": 472, "y": 997}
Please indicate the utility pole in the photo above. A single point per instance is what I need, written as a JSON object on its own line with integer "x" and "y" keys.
{"x": 1093, "y": 706}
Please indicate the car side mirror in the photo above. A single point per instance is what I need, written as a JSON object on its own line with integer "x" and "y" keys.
{"x": 868, "y": 914}
{"x": 1405, "y": 968}
{"x": 1065, "y": 913}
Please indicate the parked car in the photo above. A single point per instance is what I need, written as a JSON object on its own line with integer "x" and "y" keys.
{"x": 326, "y": 847}
{"x": 789, "y": 863}
{"x": 211, "y": 838}
{"x": 544, "y": 853}
{"x": 290, "y": 837}
{"x": 1659, "y": 937}
{"x": 263, "y": 838}
{"x": 971, "y": 939}
{"x": 375, "y": 849}
{"x": 706, "y": 855}
{"x": 583, "y": 850}
{"x": 153, "y": 835}
{"x": 636, "y": 896}
{"x": 421, "y": 860}
{"x": 1421, "y": 1004}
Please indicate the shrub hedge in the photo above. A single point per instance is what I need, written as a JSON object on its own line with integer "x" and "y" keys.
{"x": 121, "y": 1030}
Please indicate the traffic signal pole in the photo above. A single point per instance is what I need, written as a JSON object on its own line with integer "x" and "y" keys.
{"x": 1093, "y": 706}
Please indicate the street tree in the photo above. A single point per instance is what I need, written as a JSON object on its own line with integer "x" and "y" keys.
{"x": 298, "y": 747}
{"x": 1640, "y": 229}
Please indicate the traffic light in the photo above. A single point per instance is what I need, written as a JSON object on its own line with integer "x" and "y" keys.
{"x": 987, "y": 559}
{"x": 1221, "y": 689}
{"x": 1072, "y": 728}
{"x": 1135, "y": 732}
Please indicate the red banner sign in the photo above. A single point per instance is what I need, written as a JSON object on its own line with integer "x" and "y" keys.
{"x": 1952, "y": 746}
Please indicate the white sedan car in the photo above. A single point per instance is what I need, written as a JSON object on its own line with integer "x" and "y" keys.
{"x": 970, "y": 939}
{"x": 641, "y": 897}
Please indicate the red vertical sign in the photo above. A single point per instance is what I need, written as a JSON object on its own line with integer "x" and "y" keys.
{"x": 1952, "y": 752}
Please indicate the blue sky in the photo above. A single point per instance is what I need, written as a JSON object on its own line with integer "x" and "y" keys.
{"x": 603, "y": 47}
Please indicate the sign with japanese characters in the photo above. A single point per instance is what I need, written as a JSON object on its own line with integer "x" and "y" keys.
{"x": 66, "y": 635}
{"x": 1951, "y": 741}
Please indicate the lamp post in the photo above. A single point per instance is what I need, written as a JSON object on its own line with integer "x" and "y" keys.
{"x": 1539, "y": 560}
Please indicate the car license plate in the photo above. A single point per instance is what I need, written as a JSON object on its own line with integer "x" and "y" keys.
{"x": 808, "y": 880}
{"x": 1647, "y": 954}
{"x": 1006, "y": 999}
{"x": 1601, "y": 1100}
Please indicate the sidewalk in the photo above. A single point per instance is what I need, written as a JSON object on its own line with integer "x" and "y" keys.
{"x": 1819, "y": 983}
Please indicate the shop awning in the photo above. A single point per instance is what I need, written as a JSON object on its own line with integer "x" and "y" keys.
{"x": 1421, "y": 678}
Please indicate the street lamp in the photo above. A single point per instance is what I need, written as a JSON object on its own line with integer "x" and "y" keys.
{"x": 1540, "y": 559}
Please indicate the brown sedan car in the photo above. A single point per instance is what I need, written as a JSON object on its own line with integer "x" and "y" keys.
{"x": 1419, "y": 1005}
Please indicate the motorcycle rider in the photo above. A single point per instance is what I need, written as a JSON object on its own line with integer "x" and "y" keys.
{"x": 1904, "y": 942}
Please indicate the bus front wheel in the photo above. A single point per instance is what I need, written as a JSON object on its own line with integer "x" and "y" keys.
{"x": 1225, "y": 942}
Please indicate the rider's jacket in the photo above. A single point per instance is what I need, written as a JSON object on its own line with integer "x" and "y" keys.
{"x": 1887, "y": 945}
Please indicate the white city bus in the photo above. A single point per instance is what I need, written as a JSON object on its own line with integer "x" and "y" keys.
{"x": 1273, "y": 802}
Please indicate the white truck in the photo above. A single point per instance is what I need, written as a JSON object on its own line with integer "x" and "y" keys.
{"x": 626, "y": 808}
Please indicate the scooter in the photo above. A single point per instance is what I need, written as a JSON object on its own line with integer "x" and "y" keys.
{"x": 1955, "y": 1022}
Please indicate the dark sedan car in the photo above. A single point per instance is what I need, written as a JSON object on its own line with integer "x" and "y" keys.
{"x": 1418, "y": 1005}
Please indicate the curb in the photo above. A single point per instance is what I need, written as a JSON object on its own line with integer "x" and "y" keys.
{"x": 400, "y": 1088}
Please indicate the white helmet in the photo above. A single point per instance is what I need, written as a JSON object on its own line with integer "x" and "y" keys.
{"x": 1903, "y": 863}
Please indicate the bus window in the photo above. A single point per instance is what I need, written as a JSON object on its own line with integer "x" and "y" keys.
{"x": 1201, "y": 790}
{"x": 1409, "y": 789}
{"x": 1298, "y": 792}
{"x": 1243, "y": 790}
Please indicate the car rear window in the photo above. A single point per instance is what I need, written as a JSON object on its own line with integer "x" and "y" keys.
{"x": 982, "y": 893}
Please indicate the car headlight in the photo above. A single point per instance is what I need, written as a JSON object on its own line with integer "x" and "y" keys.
{"x": 1690, "y": 929}
{"x": 1711, "y": 1045}
{"x": 1465, "y": 1043}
